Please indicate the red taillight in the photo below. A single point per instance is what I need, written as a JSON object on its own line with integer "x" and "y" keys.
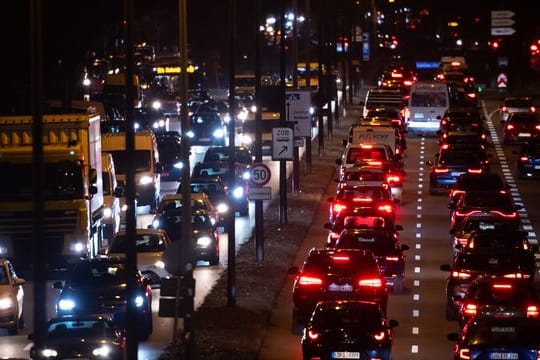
{"x": 533, "y": 109}
{"x": 393, "y": 179}
{"x": 363, "y": 199}
{"x": 469, "y": 309}
{"x": 313, "y": 335}
{"x": 337, "y": 207}
{"x": 509, "y": 126}
{"x": 514, "y": 276}
{"x": 308, "y": 280}
{"x": 441, "y": 170}
{"x": 380, "y": 336}
{"x": 524, "y": 159}
{"x": 504, "y": 109}
{"x": 366, "y": 146}
{"x": 392, "y": 258}
{"x": 375, "y": 282}
{"x": 460, "y": 275}
{"x": 468, "y": 213}
{"x": 462, "y": 241}
{"x": 455, "y": 193}
{"x": 374, "y": 163}
{"x": 506, "y": 215}
{"x": 340, "y": 258}
{"x": 537, "y": 127}
{"x": 474, "y": 171}
{"x": 502, "y": 286}
{"x": 386, "y": 208}
{"x": 532, "y": 311}
{"x": 407, "y": 83}
{"x": 464, "y": 354}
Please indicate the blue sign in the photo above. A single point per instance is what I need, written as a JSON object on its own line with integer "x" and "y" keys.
{"x": 427, "y": 64}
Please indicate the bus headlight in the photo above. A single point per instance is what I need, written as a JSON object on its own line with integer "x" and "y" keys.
{"x": 78, "y": 247}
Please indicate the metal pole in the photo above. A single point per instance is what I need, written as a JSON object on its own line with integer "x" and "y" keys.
{"x": 187, "y": 254}
{"x": 38, "y": 205}
{"x": 282, "y": 163}
{"x": 259, "y": 223}
{"x": 321, "y": 93}
{"x": 307, "y": 52}
{"x": 131, "y": 222}
{"x": 231, "y": 264}
{"x": 296, "y": 150}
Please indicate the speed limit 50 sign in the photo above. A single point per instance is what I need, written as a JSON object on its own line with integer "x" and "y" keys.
{"x": 259, "y": 174}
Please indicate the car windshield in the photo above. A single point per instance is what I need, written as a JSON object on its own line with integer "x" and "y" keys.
{"x": 79, "y": 329}
{"x": 347, "y": 317}
{"x": 379, "y": 242}
{"x": 92, "y": 274}
{"x": 524, "y": 118}
{"x": 490, "y": 262}
{"x": 142, "y": 160}
{"x": 143, "y": 243}
{"x": 206, "y": 171}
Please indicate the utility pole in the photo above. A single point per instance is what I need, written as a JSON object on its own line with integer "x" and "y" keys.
{"x": 282, "y": 163}
{"x": 307, "y": 54}
{"x": 259, "y": 223}
{"x": 296, "y": 150}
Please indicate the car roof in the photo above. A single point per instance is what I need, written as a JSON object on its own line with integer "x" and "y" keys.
{"x": 142, "y": 231}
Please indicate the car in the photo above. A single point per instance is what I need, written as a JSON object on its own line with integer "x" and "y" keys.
{"x": 368, "y": 154}
{"x": 528, "y": 160}
{"x": 242, "y": 154}
{"x": 483, "y": 182}
{"x": 330, "y": 274}
{"x": 212, "y": 191}
{"x": 497, "y": 338}
{"x": 150, "y": 245}
{"x": 462, "y": 118}
{"x": 81, "y": 337}
{"x": 170, "y": 155}
{"x": 521, "y": 127}
{"x": 199, "y": 201}
{"x": 150, "y": 118}
{"x": 377, "y": 197}
{"x": 99, "y": 286}
{"x": 516, "y": 104}
{"x": 348, "y": 329}
{"x": 11, "y": 298}
{"x": 496, "y": 297}
{"x": 237, "y": 190}
{"x": 449, "y": 163}
{"x": 463, "y": 139}
{"x": 468, "y": 265}
{"x": 205, "y": 239}
{"x": 388, "y": 251}
{"x": 478, "y": 203}
{"x": 206, "y": 128}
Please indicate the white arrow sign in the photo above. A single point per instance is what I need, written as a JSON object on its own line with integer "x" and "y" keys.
{"x": 502, "y": 31}
{"x": 501, "y": 14}
{"x": 502, "y": 22}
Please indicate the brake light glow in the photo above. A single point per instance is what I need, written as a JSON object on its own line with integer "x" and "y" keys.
{"x": 514, "y": 276}
{"x": 504, "y": 109}
{"x": 392, "y": 258}
{"x": 337, "y": 207}
{"x": 309, "y": 280}
{"x": 509, "y": 127}
{"x": 366, "y": 146}
{"x": 375, "y": 163}
{"x": 502, "y": 286}
{"x": 393, "y": 179}
{"x": 537, "y": 127}
{"x": 474, "y": 171}
{"x": 463, "y": 241}
{"x": 340, "y": 258}
{"x": 386, "y": 208}
{"x": 441, "y": 170}
{"x": 460, "y": 275}
{"x": 463, "y": 213}
{"x": 379, "y": 336}
{"x": 532, "y": 311}
{"x": 524, "y": 159}
{"x": 362, "y": 199}
{"x": 469, "y": 309}
{"x": 375, "y": 282}
{"x": 407, "y": 83}
{"x": 533, "y": 109}
{"x": 464, "y": 354}
{"x": 313, "y": 335}
{"x": 500, "y": 213}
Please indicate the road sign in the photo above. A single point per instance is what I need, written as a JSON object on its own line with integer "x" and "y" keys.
{"x": 502, "y": 80}
{"x": 502, "y": 22}
{"x": 297, "y": 104}
{"x": 502, "y": 31}
{"x": 502, "y": 14}
{"x": 259, "y": 174}
{"x": 282, "y": 143}
{"x": 260, "y": 193}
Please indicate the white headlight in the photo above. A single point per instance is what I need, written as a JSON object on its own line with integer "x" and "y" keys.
{"x": 246, "y": 139}
{"x": 242, "y": 115}
{"x": 107, "y": 212}
{"x": 6, "y": 303}
{"x": 204, "y": 241}
{"x": 219, "y": 133}
{"x": 179, "y": 165}
{"x": 222, "y": 208}
{"x": 78, "y": 247}
{"x": 139, "y": 301}
{"x": 103, "y": 351}
{"x": 145, "y": 180}
{"x": 136, "y": 126}
{"x": 156, "y": 105}
{"x": 253, "y": 108}
{"x": 160, "y": 264}
{"x": 238, "y": 192}
{"x": 155, "y": 224}
{"x": 124, "y": 207}
{"x": 66, "y": 304}
{"x": 246, "y": 175}
{"x": 227, "y": 118}
{"x": 48, "y": 353}
{"x": 190, "y": 134}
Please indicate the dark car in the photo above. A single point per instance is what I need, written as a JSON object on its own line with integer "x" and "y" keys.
{"x": 463, "y": 139}
{"x": 149, "y": 118}
{"x": 496, "y": 297}
{"x": 482, "y": 204}
{"x": 516, "y": 104}
{"x": 462, "y": 119}
{"x": 521, "y": 127}
{"x": 206, "y": 128}
{"x": 528, "y": 160}
{"x": 214, "y": 188}
{"x": 468, "y": 265}
{"x": 484, "y": 182}
{"x": 385, "y": 246}
{"x": 80, "y": 337}
{"x": 237, "y": 190}
{"x": 497, "y": 338}
{"x": 205, "y": 239}
{"x": 450, "y": 163}
{"x": 170, "y": 155}
{"x": 242, "y": 154}
{"x": 329, "y": 274}
{"x": 348, "y": 329}
{"x": 99, "y": 286}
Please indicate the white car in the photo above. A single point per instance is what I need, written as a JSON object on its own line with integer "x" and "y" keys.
{"x": 11, "y": 298}
{"x": 150, "y": 245}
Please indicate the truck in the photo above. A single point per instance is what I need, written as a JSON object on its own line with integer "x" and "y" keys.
{"x": 73, "y": 192}
{"x": 373, "y": 133}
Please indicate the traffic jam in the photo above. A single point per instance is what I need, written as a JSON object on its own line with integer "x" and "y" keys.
{"x": 341, "y": 292}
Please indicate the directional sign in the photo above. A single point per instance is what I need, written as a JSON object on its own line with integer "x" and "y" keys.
{"x": 502, "y": 22}
{"x": 297, "y": 104}
{"x": 502, "y": 14}
{"x": 282, "y": 143}
{"x": 260, "y": 193}
{"x": 259, "y": 174}
{"x": 502, "y": 31}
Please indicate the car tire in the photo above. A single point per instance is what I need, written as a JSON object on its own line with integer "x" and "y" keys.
{"x": 398, "y": 285}
{"x": 144, "y": 333}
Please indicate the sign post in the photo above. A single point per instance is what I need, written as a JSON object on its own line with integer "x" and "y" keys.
{"x": 282, "y": 143}
{"x": 501, "y": 22}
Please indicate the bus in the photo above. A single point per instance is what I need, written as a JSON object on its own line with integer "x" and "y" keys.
{"x": 428, "y": 101}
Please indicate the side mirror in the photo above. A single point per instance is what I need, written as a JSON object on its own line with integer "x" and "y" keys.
{"x": 93, "y": 190}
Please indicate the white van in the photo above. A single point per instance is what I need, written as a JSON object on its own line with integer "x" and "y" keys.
{"x": 111, "y": 197}
{"x": 147, "y": 165}
{"x": 428, "y": 102}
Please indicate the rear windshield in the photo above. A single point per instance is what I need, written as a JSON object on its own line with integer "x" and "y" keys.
{"x": 346, "y": 264}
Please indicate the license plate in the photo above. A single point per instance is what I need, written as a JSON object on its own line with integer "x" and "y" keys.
{"x": 345, "y": 355}
{"x": 204, "y": 139}
{"x": 503, "y": 356}
{"x": 456, "y": 173}
{"x": 536, "y": 167}
{"x": 524, "y": 134}
{"x": 342, "y": 288}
